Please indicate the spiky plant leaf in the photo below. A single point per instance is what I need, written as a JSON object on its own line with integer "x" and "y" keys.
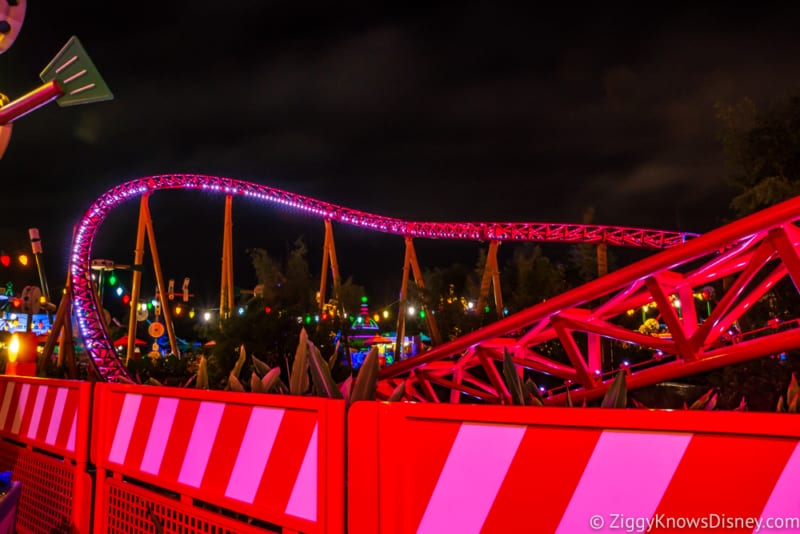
{"x": 346, "y": 388}
{"x": 617, "y": 394}
{"x": 533, "y": 394}
{"x": 272, "y": 379}
{"x": 781, "y": 405}
{"x": 366, "y": 381}
{"x": 742, "y": 405}
{"x": 637, "y": 404}
{"x": 334, "y": 357}
{"x": 189, "y": 382}
{"x": 398, "y": 393}
{"x": 321, "y": 374}
{"x": 298, "y": 384}
{"x": 708, "y": 401}
{"x": 569, "y": 399}
{"x": 153, "y": 382}
{"x": 260, "y": 367}
{"x": 255, "y": 383}
{"x": 280, "y": 388}
{"x": 234, "y": 384}
{"x": 202, "y": 374}
{"x": 237, "y": 367}
{"x": 512, "y": 379}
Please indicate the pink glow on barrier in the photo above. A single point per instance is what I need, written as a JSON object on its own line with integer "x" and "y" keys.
{"x": 276, "y": 458}
{"x": 21, "y": 403}
{"x": 37, "y": 412}
{"x": 159, "y": 433}
{"x": 466, "y": 489}
{"x": 55, "y": 421}
{"x": 198, "y": 452}
{"x": 259, "y": 438}
{"x": 122, "y": 436}
{"x": 92, "y": 329}
{"x": 637, "y": 465}
{"x": 784, "y": 502}
{"x": 303, "y": 501}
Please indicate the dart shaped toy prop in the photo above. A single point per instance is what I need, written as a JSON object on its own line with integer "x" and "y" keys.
{"x": 70, "y": 79}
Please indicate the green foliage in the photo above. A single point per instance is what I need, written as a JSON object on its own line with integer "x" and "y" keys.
{"x": 532, "y": 278}
{"x": 762, "y": 150}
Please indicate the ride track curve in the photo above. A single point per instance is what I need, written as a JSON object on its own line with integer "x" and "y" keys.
{"x": 109, "y": 367}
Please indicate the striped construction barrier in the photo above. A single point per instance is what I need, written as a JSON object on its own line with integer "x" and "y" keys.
{"x": 453, "y": 468}
{"x": 44, "y": 426}
{"x": 212, "y": 461}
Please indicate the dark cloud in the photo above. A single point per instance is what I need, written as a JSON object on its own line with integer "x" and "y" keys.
{"x": 456, "y": 111}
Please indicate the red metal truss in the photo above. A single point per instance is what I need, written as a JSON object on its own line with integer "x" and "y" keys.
{"x": 93, "y": 332}
{"x": 566, "y": 342}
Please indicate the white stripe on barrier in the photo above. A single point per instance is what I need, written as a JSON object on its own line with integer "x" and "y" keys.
{"x": 159, "y": 434}
{"x": 303, "y": 500}
{"x": 6, "y": 403}
{"x": 783, "y": 502}
{"x": 200, "y": 443}
{"x": 122, "y": 436}
{"x": 471, "y": 477}
{"x": 73, "y": 432}
{"x": 254, "y": 451}
{"x": 37, "y": 411}
{"x": 21, "y": 404}
{"x": 627, "y": 474}
{"x": 55, "y": 419}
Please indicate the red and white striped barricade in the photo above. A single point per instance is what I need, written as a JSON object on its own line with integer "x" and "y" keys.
{"x": 187, "y": 460}
{"x": 44, "y": 426}
{"x": 429, "y": 468}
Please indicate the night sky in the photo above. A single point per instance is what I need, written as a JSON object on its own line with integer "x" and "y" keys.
{"x": 463, "y": 111}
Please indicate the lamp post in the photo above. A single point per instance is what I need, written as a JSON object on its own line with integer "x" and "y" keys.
{"x": 36, "y": 248}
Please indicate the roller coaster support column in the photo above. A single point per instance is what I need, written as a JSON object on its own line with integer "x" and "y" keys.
{"x": 226, "y": 286}
{"x": 146, "y": 226}
{"x": 329, "y": 257}
{"x": 411, "y": 264}
{"x": 402, "y": 306}
{"x": 136, "y": 284}
{"x": 61, "y": 331}
{"x": 491, "y": 275}
{"x": 162, "y": 288}
{"x": 602, "y": 259}
{"x": 433, "y": 328}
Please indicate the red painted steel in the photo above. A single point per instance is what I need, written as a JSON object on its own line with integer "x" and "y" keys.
{"x": 512, "y": 469}
{"x": 45, "y": 429}
{"x": 92, "y": 328}
{"x": 277, "y": 459}
{"x": 567, "y": 342}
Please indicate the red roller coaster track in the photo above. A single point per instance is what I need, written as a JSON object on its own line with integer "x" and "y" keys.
{"x": 437, "y": 367}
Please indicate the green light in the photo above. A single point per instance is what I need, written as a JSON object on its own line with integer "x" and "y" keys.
{"x": 364, "y": 298}
{"x": 149, "y": 305}
{"x": 112, "y": 280}
{"x": 486, "y": 309}
{"x": 422, "y": 314}
{"x": 308, "y": 319}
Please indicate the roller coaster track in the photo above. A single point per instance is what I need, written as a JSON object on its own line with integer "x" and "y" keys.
{"x": 437, "y": 366}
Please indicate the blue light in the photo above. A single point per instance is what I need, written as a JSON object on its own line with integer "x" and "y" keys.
{"x": 119, "y": 291}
